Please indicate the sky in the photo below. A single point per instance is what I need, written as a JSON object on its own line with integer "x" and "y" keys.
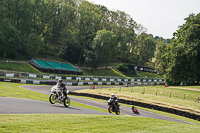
{"x": 160, "y": 17}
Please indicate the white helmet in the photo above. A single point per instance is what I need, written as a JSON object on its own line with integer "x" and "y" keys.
{"x": 112, "y": 95}
{"x": 60, "y": 81}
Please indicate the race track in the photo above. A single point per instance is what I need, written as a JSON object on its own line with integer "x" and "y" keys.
{"x": 26, "y": 106}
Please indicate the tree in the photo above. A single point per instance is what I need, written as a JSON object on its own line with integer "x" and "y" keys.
{"x": 10, "y": 41}
{"x": 160, "y": 63}
{"x": 88, "y": 24}
{"x": 183, "y": 58}
{"x": 144, "y": 49}
{"x": 102, "y": 48}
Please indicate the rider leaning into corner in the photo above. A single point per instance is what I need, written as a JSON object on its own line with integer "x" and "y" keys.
{"x": 62, "y": 87}
{"x": 113, "y": 98}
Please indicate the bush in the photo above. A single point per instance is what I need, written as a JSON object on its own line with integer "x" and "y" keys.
{"x": 122, "y": 68}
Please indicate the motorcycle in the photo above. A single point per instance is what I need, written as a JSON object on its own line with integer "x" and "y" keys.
{"x": 114, "y": 106}
{"x": 135, "y": 110}
{"x": 56, "y": 94}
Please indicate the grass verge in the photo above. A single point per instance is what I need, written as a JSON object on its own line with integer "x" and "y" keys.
{"x": 79, "y": 123}
{"x": 89, "y": 123}
{"x": 14, "y": 90}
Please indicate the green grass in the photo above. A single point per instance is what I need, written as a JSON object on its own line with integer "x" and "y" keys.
{"x": 147, "y": 74}
{"x": 79, "y": 123}
{"x": 13, "y": 90}
{"x": 100, "y": 72}
{"x": 90, "y": 124}
{"x": 162, "y": 98}
{"x": 21, "y": 67}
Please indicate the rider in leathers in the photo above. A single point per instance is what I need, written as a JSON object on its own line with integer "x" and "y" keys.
{"x": 114, "y": 99}
{"x": 62, "y": 88}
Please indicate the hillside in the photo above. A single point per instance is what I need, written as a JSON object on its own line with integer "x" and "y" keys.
{"x": 26, "y": 67}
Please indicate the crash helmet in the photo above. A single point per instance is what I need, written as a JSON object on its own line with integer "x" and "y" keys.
{"x": 60, "y": 81}
{"x": 112, "y": 95}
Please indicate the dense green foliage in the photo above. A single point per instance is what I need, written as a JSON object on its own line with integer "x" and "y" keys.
{"x": 122, "y": 68}
{"x": 84, "y": 33}
{"x": 75, "y": 30}
{"x": 180, "y": 60}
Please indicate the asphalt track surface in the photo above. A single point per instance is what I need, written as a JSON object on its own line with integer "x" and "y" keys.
{"x": 27, "y": 106}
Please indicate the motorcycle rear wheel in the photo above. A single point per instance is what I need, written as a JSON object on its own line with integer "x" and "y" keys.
{"x": 66, "y": 101}
{"x": 52, "y": 99}
{"x": 117, "y": 112}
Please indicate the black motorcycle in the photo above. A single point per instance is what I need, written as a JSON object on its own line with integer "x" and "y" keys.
{"x": 114, "y": 106}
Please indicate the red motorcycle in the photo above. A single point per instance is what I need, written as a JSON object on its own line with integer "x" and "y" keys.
{"x": 135, "y": 110}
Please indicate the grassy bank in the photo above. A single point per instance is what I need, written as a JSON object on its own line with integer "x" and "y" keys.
{"x": 21, "y": 67}
{"x": 147, "y": 94}
{"x": 26, "y": 67}
{"x": 90, "y": 123}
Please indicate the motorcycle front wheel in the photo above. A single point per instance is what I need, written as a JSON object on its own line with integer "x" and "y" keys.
{"x": 66, "y": 101}
{"x": 109, "y": 109}
{"x": 52, "y": 99}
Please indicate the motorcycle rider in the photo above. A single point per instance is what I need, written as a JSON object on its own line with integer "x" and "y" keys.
{"x": 113, "y": 98}
{"x": 62, "y": 88}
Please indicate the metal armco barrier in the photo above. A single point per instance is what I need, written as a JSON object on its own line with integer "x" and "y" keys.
{"x": 10, "y": 80}
{"x": 92, "y": 79}
{"x": 50, "y": 82}
{"x": 145, "y": 105}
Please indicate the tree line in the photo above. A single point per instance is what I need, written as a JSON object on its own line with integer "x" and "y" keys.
{"x": 75, "y": 30}
{"x": 84, "y": 33}
{"x": 179, "y": 61}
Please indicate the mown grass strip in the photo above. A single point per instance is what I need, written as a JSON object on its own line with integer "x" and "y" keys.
{"x": 90, "y": 123}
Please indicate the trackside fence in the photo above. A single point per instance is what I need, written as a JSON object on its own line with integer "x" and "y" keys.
{"x": 150, "y": 91}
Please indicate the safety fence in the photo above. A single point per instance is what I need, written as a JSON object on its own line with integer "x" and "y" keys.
{"x": 80, "y": 78}
{"x": 53, "y": 82}
{"x": 145, "y": 105}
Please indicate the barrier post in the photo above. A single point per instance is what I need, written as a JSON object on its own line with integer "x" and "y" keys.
{"x": 198, "y": 99}
{"x": 143, "y": 91}
{"x": 156, "y": 92}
